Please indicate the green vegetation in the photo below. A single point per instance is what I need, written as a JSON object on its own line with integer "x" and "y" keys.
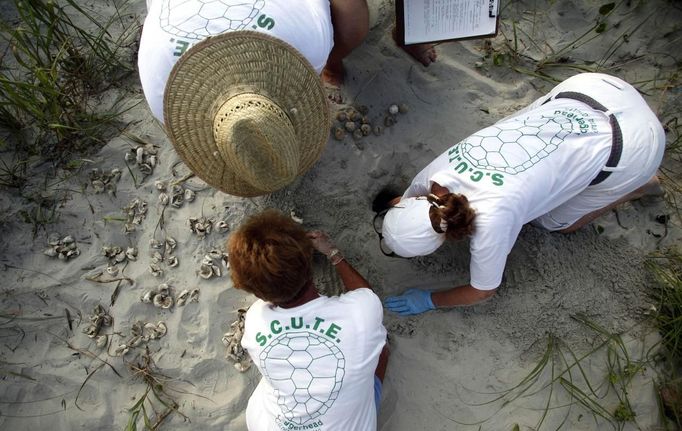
{"x": 155, "y": 400}
{"x": 600, "y": 46}
{"x": 667, "y": 316}
{"x": 562, "y": 375}
{"x": 57, "y": 74}
{"x": 55, "y": 70}
{"x": 568, "y": 381}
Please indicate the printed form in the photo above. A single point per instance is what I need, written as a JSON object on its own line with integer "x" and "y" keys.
{"x": 433, "y": 20}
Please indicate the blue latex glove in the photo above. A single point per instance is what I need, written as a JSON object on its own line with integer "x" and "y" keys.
{"x": 413, "y": 301}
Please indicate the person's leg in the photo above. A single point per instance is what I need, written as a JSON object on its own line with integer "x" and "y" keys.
{"x": 643, "y": 144}
{"x": 380, "y": 371}
{"x": 651, "y": 188}
{"x": 379, "y": 374}
{"x": 350, "y": 19}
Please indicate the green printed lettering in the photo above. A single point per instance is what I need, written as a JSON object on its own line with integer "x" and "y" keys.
{"x": 497, "y": 179}
{"x": 476, "y": 176}
{"x": 275, "y": 327}
{"x": 332, "y": 330}
{"x": 461, "y": 167}
{"x": 261, "y": 339}
{"x": 265, "y": 22}
{"x": 295, "y": 324}
{"x": 180, "y": 47}
{"x": 452, "y": 150}
{"x": 318, "y": 320}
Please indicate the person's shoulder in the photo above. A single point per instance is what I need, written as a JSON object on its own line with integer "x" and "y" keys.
{"x": 257, "y": 309}
{"x": 361, "y": 292}
{"x": 362, "y": 295}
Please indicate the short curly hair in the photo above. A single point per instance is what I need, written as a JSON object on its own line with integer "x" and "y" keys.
{"x": 271, "y": 257}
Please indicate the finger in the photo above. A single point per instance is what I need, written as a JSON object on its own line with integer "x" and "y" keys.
{"x": 399, "y": 309}
{"x": 395, "y": 304}
{"x": 394, "y": 300}
{"x": 313, "y": 234}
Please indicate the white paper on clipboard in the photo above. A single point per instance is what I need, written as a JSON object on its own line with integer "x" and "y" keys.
{"x": 434, "y": 20}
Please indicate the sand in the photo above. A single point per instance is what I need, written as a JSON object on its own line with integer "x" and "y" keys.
{"x": 446, "y": 366}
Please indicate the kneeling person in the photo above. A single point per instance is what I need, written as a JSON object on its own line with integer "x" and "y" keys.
{"x": 590, "y": 144}
{"x": 322, "y": 358}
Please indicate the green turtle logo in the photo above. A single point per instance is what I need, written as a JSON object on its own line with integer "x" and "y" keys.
{"x": 511, "y": 149}
{"x": 198, "y": 19}
{"x": 306, "y": 371}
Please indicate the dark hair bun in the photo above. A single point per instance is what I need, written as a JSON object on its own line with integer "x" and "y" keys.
{"x": 454, "y": 209}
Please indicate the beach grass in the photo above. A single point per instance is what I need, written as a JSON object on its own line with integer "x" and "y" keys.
{"x": 52, "y": 72}
{"x": 155, "y": 405}
{"x": 671, "y": 169}
{"x": 60, "y": 96}
{"x": 667, "y": 317}
{"x": 566, "y": 380}
{"x": 602, "y": 45}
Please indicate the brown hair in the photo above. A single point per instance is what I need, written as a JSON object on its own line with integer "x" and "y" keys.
{"x": 271, "y": 257}
{"x": 454, "y": 209}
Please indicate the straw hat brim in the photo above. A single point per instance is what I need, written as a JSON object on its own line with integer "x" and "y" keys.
{"x": 233, "y": 63}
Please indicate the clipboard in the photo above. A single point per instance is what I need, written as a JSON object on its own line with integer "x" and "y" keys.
{"x": 485, "y": 11}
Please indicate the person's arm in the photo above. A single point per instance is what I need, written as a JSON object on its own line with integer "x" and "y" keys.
{"x": 417, "y": 301}
{"x": 460, "y": 295}
{"x": 350, "y": 278}
{"x": 486, "y": 267}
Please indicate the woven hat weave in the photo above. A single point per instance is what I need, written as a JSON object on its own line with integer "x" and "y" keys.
{"x": 246, "y": 112}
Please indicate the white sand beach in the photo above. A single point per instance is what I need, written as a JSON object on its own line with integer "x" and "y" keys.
{"x": 448, "y": 370}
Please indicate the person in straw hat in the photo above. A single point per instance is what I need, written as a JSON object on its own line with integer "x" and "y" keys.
{"x": 574, "y": 154}
{"x": 237, "y": 85}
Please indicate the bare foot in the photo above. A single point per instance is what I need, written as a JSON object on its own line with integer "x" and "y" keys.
{"x": 332, "y": 78}
{"x": 425, "y": 53}
{"x": 653, "y": 187}
{"x": 650, "y": 193}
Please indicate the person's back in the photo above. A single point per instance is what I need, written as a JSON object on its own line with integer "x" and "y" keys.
{"x": 319, "y": 356}
{"x": 171, "y": 28}
{"x": 317, "y": 362}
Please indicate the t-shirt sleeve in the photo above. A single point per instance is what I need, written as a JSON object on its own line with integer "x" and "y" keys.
{"x": 421, "y": 184}
{"x": 367, "y": 306}
{"x": 490, "y": 247}
{"x": 252, "y": 325}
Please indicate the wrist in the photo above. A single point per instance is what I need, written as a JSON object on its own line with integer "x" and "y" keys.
{"x": 429, "y": 301}
{"x": 335, "y": 256}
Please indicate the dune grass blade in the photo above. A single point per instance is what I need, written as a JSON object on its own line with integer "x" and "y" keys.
{"x": 586, "y": 401}
{"x": 57, "y": 67}
{"x": 667, "y": 293}
{"x": 155, "y": 382}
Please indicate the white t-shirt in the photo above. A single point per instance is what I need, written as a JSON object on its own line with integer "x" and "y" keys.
{"x": 517, "y": 170}
{"x": 173, "y": 26}
{"x": 317, "y": 361}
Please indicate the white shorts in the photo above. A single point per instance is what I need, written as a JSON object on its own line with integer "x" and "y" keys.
{"x": 643, "y": 146}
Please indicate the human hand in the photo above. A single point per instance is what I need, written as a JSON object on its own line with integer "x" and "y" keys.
{"x": 413, "y": 301}
{"x": 321, "y": 242}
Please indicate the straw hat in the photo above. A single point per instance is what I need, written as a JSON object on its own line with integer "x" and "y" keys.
{"x": 246, "y": 112}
